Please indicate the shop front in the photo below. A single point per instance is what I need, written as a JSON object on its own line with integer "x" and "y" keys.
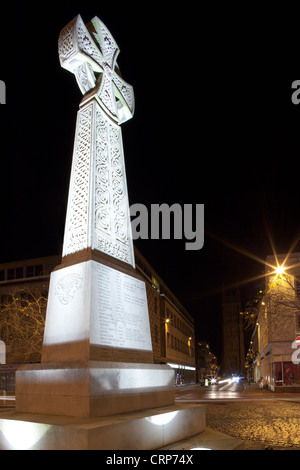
{"x": 278, "y": 371}
{"x": 286, "y": 374}
{"x": 183, "y": 374}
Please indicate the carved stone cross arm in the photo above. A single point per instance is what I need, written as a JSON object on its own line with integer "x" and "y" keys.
{"x": 90, "y": 52}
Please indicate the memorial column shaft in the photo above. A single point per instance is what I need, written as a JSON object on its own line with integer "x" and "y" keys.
{"x": 98, "y": 214}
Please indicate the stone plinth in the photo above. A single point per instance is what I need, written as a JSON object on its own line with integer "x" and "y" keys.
{"x": 97, "y": 355}
{"x": 93, "y": 389}
{"x": 141, "y": 430}
{"x": 97, "y": 310}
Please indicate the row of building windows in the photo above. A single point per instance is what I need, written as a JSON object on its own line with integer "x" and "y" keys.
{"x": 178, "y": 323}
{"x": 179, "y": 345}
{"x": 22, "y": 272}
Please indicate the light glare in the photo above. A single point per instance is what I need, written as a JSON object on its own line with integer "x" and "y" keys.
{"x": 200, "y": 448}
{"x": 22, "y": 435}
{"x": 163, "y": 418}
{"x": 280, "y": 270}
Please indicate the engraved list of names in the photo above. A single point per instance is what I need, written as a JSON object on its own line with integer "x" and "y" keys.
{"x": 121, "y": 310}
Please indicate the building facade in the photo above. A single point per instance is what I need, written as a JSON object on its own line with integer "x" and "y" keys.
{"x": 233, "y": 333}
{"x": 23, "y": 299}
{"x": 278, "y": 325}
{"x": 206, "y": 361}
{"x": 172, "y": 327}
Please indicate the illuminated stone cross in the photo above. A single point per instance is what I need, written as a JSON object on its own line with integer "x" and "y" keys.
{"x": 98, "y": 208}
{"x": 97, "y": 356}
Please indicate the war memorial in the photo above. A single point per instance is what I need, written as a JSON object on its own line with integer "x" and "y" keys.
{"x": 97, "y": 386}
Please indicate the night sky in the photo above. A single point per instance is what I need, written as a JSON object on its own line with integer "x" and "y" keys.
{"x": 214, "y": 124}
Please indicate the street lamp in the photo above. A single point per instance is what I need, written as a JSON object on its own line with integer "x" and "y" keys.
{"x": 280, "y": 270}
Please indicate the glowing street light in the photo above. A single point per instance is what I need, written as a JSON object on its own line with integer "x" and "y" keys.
{"x": 280, "y": 270}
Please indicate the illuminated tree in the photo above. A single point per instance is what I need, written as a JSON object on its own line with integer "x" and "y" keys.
{"x": 22, "y": 322}
{"x": 251, "y": 311}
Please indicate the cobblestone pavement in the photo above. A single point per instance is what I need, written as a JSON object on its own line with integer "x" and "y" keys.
{"x": 258, "y": 425}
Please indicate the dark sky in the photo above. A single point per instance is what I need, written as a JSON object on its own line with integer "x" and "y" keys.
{"x": 214, "y": 124}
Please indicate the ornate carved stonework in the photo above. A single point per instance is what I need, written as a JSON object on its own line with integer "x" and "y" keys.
{"x": 98, "y": 208}
{"x": 67, "y": 287}
{"x": 90, "y": 52}
{"x": 76, "y": 230}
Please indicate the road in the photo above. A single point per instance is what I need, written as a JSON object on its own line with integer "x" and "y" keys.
{"x": 228, "y": 392}
{"x": 258, "y": 417}
{"x": 220, "y": 392}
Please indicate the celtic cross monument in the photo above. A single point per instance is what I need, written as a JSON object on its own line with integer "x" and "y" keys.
{"x": 98, "y": 208}
{"x": 97, "y": 354}
{"x": 97, "y": 386}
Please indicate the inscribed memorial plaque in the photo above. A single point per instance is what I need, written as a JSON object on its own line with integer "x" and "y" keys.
{"x": 120, "y": 311}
